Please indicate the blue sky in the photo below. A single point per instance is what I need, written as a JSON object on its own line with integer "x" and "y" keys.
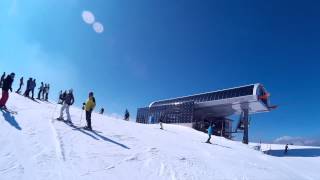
{"x": 157, "y": 49}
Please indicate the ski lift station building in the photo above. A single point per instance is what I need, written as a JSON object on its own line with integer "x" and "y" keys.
{"x": 200, "y": 110}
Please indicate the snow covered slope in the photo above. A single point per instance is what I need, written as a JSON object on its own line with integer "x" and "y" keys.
{"x": 35, "y": 147}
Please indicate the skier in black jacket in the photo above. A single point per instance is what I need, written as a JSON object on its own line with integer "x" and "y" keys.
{"x": 20, "y": 85}
{"x": 68, "y": 101}
{"x": 126, "y": 115}
{"x": 33, "y": 86}
{"x": 41, "y": 88}
{"x": 28, "y": 88}
{"x": 7, "y": 85}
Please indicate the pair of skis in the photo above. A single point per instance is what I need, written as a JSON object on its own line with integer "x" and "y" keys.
{"x": 72, "y": 125}
{"x": 9, "y": 111}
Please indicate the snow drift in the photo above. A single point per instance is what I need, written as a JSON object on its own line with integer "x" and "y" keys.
{"x": 35, "y": 147}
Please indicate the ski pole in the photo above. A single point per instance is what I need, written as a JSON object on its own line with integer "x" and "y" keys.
{"x": 81, "y": 117}
{"x": 82, "y": 113}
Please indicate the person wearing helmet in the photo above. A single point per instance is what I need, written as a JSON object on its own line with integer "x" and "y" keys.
{"x": 68, "y": 101}
{"x": 7, "y": 85}
{"x": 89, "y": 106}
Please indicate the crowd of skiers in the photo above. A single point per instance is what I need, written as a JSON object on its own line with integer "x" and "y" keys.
{"x": 6, "y": 85}
{"x": 66, "y": 98}
{"x": 43, "y": 92}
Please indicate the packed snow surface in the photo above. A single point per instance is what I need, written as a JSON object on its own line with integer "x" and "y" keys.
{"x": 36, "y": 147}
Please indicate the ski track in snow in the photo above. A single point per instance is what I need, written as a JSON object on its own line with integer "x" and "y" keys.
{"x": 58, "y": 144}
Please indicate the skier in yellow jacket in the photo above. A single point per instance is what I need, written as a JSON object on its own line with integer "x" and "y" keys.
{"x": 89, "y": 106}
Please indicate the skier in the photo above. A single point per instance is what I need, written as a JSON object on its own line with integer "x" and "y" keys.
{"x": 286, "y": 149}
{"x": 161, "y": 123}
{"x": 101, "y": 110}
{"x": 89, "y": 106}
{"x": 28, "y": 88}
{"x": 210, "y": 131}
{"x": 126, "y": 115}
{"x": 44, "y": 91}
{"x": 6, "y": 86}
{"x": 32, "y": 87}
{"x": 161, "y": 120}
{"x": 47, "y": 92}
{"x": 68, "y": 101}
{"x": 20, "y": 85}
{"x": 41, "y": 88}
{"x": 2, "y": 79}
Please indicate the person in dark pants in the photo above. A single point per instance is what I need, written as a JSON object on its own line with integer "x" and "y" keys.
{"x": 286, "y": 149}
{"x": 126, "y": 115}
{"x": 44, "y": 91}
{"x": 210, "y": 131}
{"x": 101, "y": 110}
{"x": 41, "y": 88}
{"x": 28, "y": 88}
{"x": 2, "y": 79}
{"x": 47, "y": 92}
{"x": 20, "y": 85}
{"x": 161, "y": 123}
{"x": 7, "y": 85}
{"x": 89, "y": 106}
{"x": 33, "y": 86}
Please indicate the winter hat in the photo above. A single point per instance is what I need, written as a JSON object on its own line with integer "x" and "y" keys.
{"x": 90, "y": 93}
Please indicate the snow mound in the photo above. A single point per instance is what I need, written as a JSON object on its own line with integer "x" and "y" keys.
{"x": 34, "y": 146}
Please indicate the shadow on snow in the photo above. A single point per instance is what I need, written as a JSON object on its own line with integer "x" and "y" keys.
{"x": 11, "y": 120}
{"x": 98, "y": 135}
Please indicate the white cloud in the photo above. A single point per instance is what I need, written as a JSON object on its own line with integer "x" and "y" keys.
{"x": 88, "y": 17}
{"x": 297, "y": 141}
{"x": 98, "y": 27}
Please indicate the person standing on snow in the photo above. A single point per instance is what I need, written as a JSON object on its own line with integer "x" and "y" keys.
{"x": 41, "y": 88}
{"x": 161, "y": 121}
{"x": 28, "y": 88}
{"x": 47, "y": 92}
{"x": 44, "y": 92}
{"x": 286, "y": 149}
{"x": 101, "y": 110}
{"x": 89, "y": 106}
{"x": 20, "y": 85}
{"x": 2, "y": 79}
{"x": 126, "y": 115}
{"x": 68, "y": 101}
{"x": 210, "y": 131}
{"x": 161, "y": 124}
{"x": 32, "y": 87}
{"x": 7, "y": 85}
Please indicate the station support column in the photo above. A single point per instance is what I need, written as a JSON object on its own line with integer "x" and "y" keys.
{"x": 246, "y": 126}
